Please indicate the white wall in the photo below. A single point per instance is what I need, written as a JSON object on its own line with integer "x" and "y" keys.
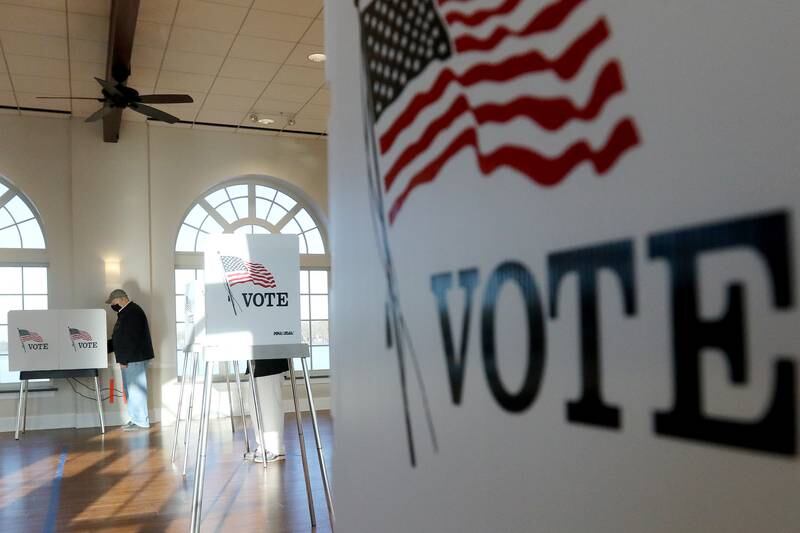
{"x": 111, "y": 213}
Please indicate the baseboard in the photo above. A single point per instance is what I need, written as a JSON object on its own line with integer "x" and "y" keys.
{"x": 70, "y": 421}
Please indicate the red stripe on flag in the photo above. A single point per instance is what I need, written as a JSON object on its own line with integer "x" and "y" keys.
{"x": 548, "y": 19}
{"x": 538, "y": 168}
{"x": 551, "y": 114}
{"x": 566, "y": 66}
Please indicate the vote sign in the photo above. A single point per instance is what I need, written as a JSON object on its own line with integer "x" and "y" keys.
{"x": 252, "y": 290}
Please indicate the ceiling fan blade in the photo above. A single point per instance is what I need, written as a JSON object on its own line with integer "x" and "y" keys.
{"x": 109, "y": 87}
{"x": 100, "y": 113}
{"x": 69, "y": 98}
{"x": 152, "y": 112}
{"x": 166, "y": 99}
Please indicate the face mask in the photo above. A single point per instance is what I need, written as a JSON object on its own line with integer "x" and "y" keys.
{"x": 116, "y": 308}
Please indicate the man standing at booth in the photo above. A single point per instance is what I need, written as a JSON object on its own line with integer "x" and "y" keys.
{"x": 133, "y": 348}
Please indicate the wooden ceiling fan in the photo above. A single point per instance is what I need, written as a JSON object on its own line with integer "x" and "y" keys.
{"x": 116, "y": 95}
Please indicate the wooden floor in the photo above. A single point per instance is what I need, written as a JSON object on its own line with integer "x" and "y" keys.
{"x": 77, "y": 480}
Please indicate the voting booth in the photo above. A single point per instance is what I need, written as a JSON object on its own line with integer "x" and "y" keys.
{"x": 251, "y": 310}
{"x": 56, "y": 343}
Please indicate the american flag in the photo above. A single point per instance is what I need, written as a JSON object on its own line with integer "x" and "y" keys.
{"x": 26, "y": 335}
{"x": 79, "y": 335}
{"x": 508, "y": 81}
{"x": 240, "y": 271}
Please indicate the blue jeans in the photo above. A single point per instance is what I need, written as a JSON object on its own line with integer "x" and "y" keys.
{"x": 134, "y": 379}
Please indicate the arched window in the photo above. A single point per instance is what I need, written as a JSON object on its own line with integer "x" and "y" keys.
{"x": 23, "y": 264}
{"x": 264, "y": 205}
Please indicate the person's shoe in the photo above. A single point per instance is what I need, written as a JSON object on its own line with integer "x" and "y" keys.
{"x": 128, "y": 424}
{"x": 258, "y": 457}
{"x": 134, "y": 427}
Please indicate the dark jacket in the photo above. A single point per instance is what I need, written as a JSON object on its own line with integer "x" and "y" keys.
{"x": 270, "y": 367}
{"x": 131, "y": 340}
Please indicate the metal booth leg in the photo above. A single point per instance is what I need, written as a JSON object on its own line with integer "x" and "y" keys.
{"x": 230, "y": 398}
{"x": 200, "y": 461}
{"x": 99, "y": 405}
{"x": 299, "y": 420}
{"x": 256, "y": 414}
{"x": 176, "y": 432}
{"x": 322, "y": 469}
{"x": 241, "y": 407}
{"x": 19, "y": 408}
{"x": 25, "y": 406}
{"x": 188, "y": 426}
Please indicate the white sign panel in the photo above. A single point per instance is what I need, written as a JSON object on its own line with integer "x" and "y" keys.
{"x": 252, "y": 290}
{"x": 566, "y": 254}
{"x": 65, "y": 339}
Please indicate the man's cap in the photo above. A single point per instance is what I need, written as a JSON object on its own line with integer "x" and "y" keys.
{"x": 116, "y": 293}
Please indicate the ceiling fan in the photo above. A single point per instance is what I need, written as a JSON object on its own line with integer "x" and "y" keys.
{"x": 119, "y": 96}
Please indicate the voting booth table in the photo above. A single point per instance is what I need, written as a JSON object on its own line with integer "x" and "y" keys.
{"x": 56, "y": 344}
{"x": 248, "y": 309}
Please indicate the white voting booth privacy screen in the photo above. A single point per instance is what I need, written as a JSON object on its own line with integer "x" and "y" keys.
{"x": 65, "y": 339}
{"x": 252, "y": 294}
{"x": 565, "y": 244}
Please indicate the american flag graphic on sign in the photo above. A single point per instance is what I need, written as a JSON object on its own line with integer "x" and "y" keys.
{"x": 26, "y": 335}
{"x": 239, "y": 271}
{"x": 79, "y": 335}
{"x": 445, "y": 76}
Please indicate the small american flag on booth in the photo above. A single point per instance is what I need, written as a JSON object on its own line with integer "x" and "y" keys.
{"x": 239, "y": 271}
{"x": 79, "y": 335}
{"x": 518, "y": 83}
{"x": 26, "y": 335}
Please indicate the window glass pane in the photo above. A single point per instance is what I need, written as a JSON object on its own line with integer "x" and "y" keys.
{"x": 304, "y": 282}
{"x": 10, "y": 280}
{"x": 4, "y": 339}
{"x": 244, "y": 230}
{"x": 320, "y": 357}
{"x": 296, "y": 364}
{"x": 227, "y": 212}
{"x": 305, "y": 220}
{"x": 35, "y": 302}
{"x": 5, "y": 375}
{"x": 31, "y": 235}
{"x": 265, "y": 192}
{"x": 304, "y": 312}
{"x": 276, "y": 214}
{"x": 9, "y": 238}
{"x": 3, "y": 189}
{"x": 199, "y": 275}
{"x": 196, "y": 216}
{"x": 180, "y": 308}
{"x": 319, "y": 307}
{"x": 181, "y": 330}
{"x": 19, "y": 210}
{"x": 186, "y": 238}
{"x": 35, "y": 279}
{"x": 258, "y": 230}
{"x": 235, "y": 191}
{"x": 319, "y": 332}
{"x": 9, "y": 303}
{"x": 319, "y": 281}
{"x": 301, "y": 239}
{"x": 217, "y": 197}
{"x": 242, "y": 208}
{"x": 182, "y": 277}
{"x": 291, "y": 228}
{"x": 5, "y": 218}
{"x": 211, "y": 226}
{"x": 315, "y": 245}
{"x": 262, "y": 207}
{"x": 305, "y": 330}
{"x": 285, "y": 201}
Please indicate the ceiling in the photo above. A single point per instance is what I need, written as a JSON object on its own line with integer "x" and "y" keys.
{"x": 234, "y": 57}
